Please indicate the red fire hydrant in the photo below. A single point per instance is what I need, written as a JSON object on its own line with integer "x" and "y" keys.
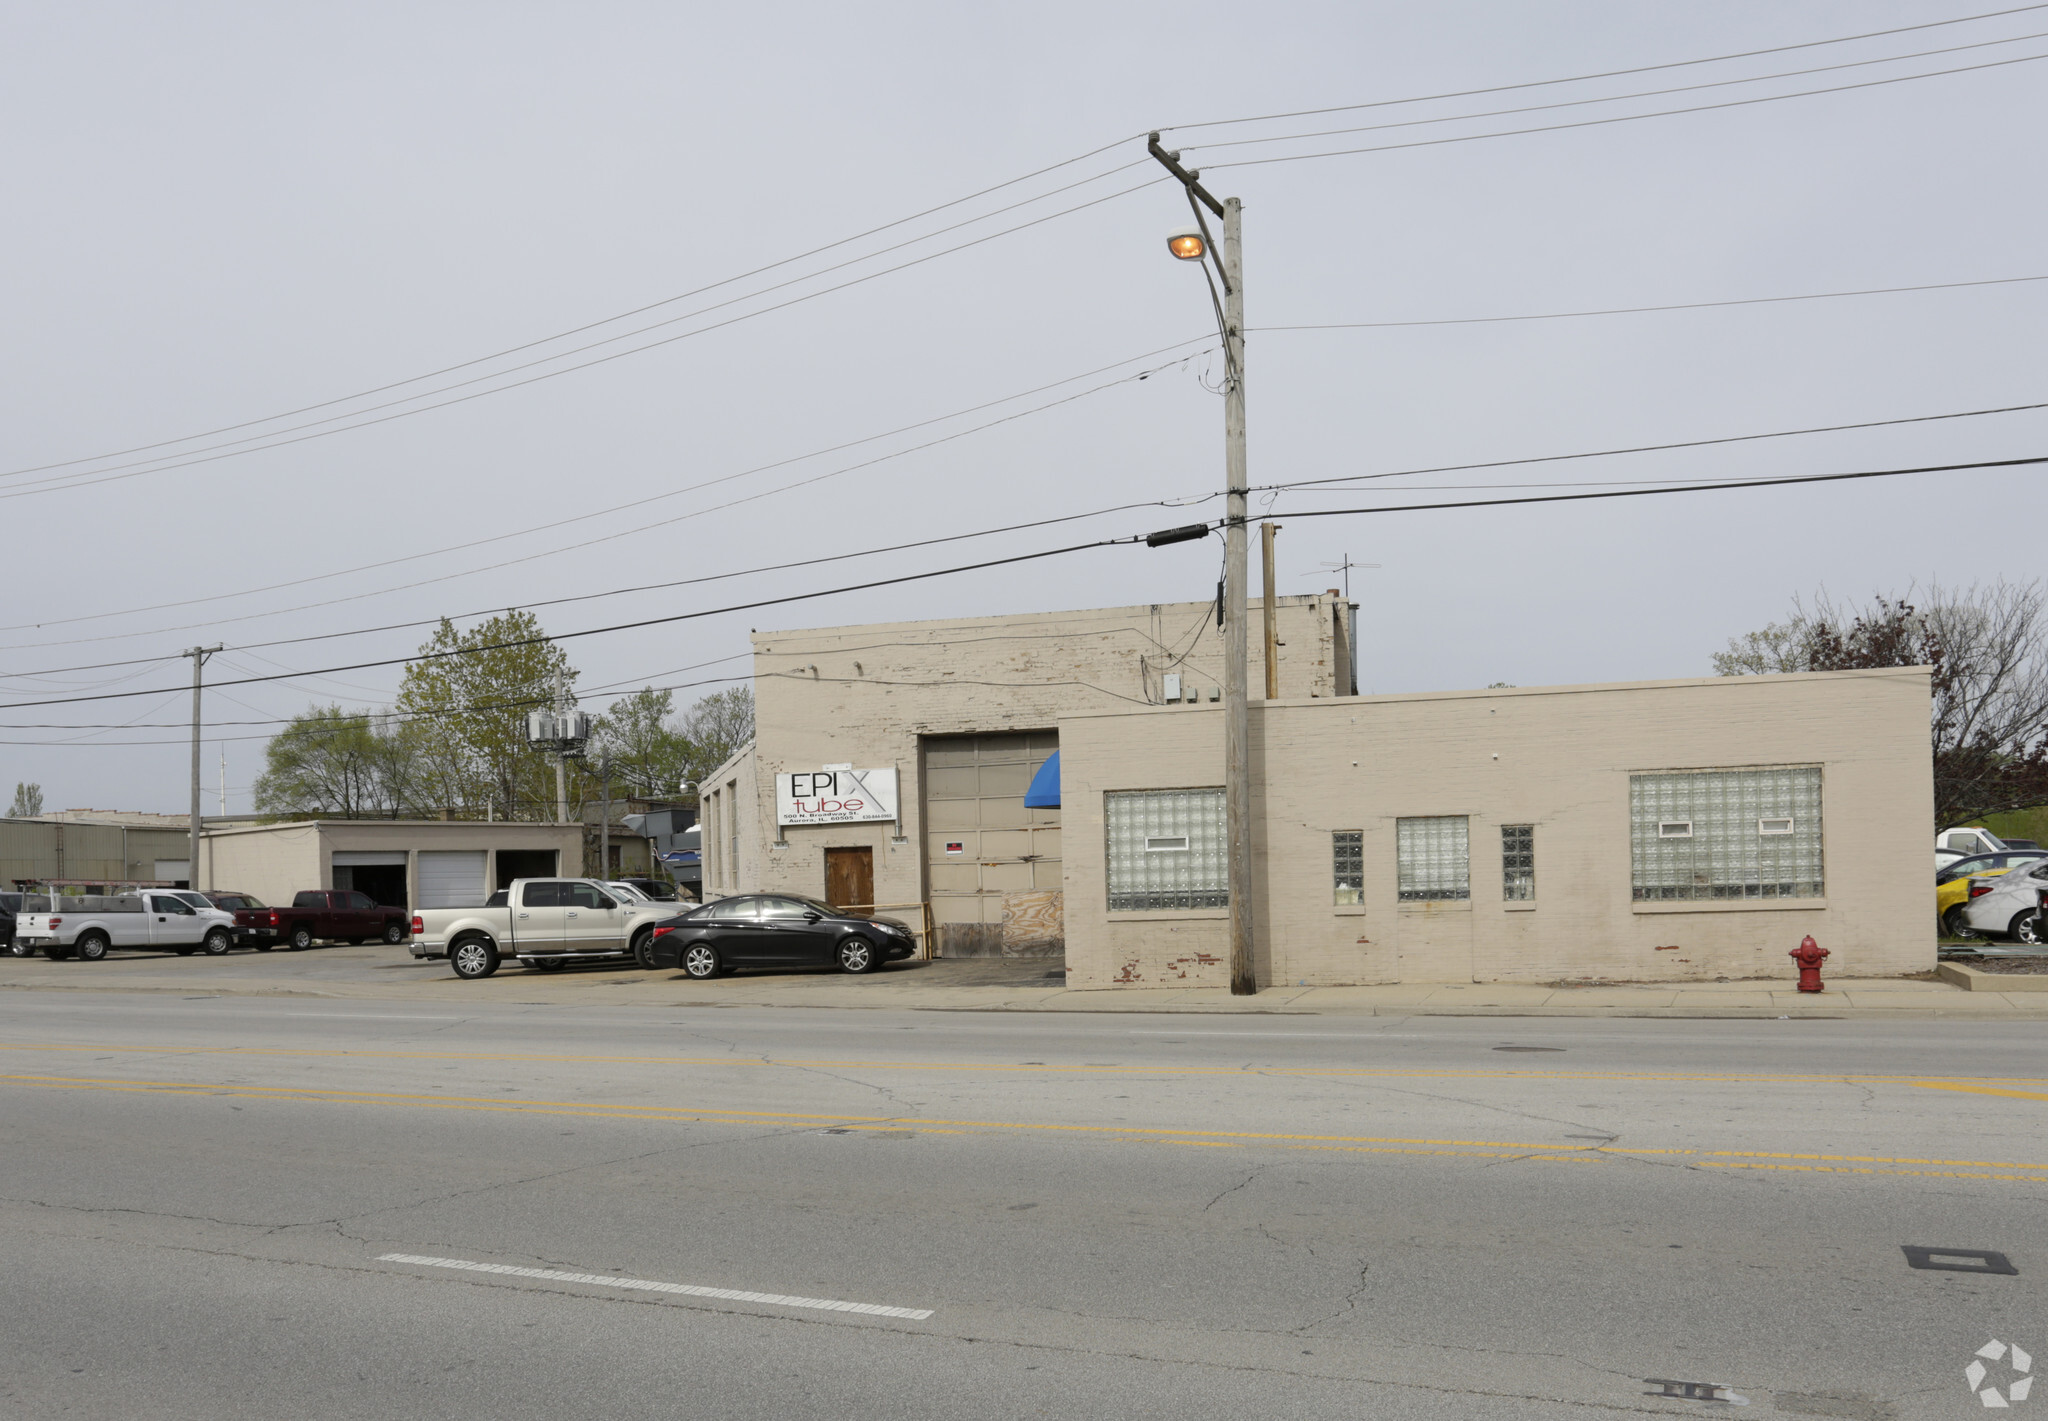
{"x": 1808, "y": 955}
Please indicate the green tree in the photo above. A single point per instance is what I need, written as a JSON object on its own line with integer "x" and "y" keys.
{"x": 334, "y": 761}
{"x": 648, "y": 753}
{"x": 465, "y": 702}
{"x": 28, "y": 801}
{"x": 1988, "y": 650}
{"x": 717, "y": 726}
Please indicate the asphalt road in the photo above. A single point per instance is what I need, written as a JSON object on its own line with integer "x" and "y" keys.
{"x": 261, "y": 1208}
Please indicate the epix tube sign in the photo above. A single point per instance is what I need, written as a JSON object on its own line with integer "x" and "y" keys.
{"x": 835, "y": 796}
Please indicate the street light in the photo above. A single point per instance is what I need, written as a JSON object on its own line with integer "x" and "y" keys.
{"x": 1194, "y": 244}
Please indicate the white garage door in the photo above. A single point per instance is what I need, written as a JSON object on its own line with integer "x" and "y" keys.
{"x": 452, "y": 878}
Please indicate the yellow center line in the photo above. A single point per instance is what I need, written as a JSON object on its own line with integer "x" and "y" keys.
{"x": 1987, "y": 1084}
{"x": 1544, "y": 1152}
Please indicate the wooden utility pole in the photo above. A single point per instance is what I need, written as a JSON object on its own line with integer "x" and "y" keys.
{"x": 198, "y": 655}
{"x": 1237, "y": 758}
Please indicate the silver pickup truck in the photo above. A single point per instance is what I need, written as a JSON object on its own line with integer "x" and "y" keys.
{"x": 546, "y": 923}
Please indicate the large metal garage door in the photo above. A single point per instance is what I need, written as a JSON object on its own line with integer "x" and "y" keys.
{"x": 452, "y": 878}
{"x": 980, "y": 840}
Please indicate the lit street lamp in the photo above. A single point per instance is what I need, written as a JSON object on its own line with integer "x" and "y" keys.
{"x": 1195, "y": 245}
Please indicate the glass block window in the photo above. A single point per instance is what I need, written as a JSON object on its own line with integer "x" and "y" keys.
{"x": 1518, "y": 863}
{"x": 1434, "y": 859}
{"x": 1347, "y": 865}
{"x": 1726, "y": 834}
{"x": 1166, "y": 849}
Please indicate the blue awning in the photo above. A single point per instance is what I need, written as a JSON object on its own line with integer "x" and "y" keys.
{"x": 1045, "y": 785}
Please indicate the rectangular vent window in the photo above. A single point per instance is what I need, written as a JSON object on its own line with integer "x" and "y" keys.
{"x": 1177, "y": 844}
{"x": 1774, "y": 826}
{"x": 1675, "y": 829}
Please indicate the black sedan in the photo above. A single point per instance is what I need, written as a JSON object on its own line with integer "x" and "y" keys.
{"x": 775, "y": 930}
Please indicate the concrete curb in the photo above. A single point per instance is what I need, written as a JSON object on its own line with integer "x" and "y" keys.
{"x": 1976, "y": 979}
{"x": 1916, "y": 1001}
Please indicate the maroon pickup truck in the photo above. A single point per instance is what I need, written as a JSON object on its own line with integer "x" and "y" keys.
{"x": 330, "y": 914}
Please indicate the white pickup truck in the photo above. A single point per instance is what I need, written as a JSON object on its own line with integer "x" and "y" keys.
{"x": 159, "y": 920}
{"x": 546, "y": 923}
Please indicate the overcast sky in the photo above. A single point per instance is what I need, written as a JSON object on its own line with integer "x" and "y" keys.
{"x": 222, "y": 213}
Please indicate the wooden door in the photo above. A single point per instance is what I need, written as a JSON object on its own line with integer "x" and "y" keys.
{"x": 850, "y": 878}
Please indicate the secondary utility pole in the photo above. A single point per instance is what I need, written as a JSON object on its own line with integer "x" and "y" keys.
{"x": 198, "y": 655}
{"x": 1266, "y": 532}
{"x": 1237, "y": 804}
{"x": 561, "y": 750}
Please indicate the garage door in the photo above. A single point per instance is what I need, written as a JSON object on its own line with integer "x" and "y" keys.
{"x": 980, "y": 840}
{"x": 452, "y": 878}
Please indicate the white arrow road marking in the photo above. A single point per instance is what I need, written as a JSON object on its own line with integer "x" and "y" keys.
{"x": 646, "y": 1285}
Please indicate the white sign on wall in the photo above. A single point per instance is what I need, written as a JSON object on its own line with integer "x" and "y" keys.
{"x": 837, "y": 796}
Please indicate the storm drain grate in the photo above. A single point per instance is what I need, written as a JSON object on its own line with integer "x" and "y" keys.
{"x": 1959, "y": 1260}
{"x": 1694, "y": 1391}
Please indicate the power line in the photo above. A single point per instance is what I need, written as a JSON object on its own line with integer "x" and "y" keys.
{"x": 1614, "y": 98}
{"x": 1683, "y": 488}
{"x": 1650, "y": 448}
{"x": 1642, "y": 310}
{"x": 679, "y": 582}
{"x": 575, "y": 330}
{"x": 599, "y": 631}
{"x": 90, "y": 478}
{"x": 1064, "y": 518}
{"x": 555, "y": 524}
{"x": 1033, "y": 557}
{"x": 1605, "y": 74}
{"x": 1625, "y": 118}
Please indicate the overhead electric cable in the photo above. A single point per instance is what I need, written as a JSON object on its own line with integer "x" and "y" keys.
{"x": 1649, "y": 448}
{"x": 600, "y": 631}
{"x": 91, "y": 478}
{"x": 577, "y": 330}
{"x": 1605, "y": 74}
{"x": 1027, "y": 557}
{"x": 1683, "y": 488}
{"x": 1644, "y": 310}
{"x": 1623, "y": 118}
{"x": 1612, "y": 98}
{"x": 554, "y": 525}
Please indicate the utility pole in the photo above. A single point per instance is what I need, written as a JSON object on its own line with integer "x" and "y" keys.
{"x": 1266, "y": 532}
{"x": 223, "y": 781}
{"x": 604, "y": 832}
{"x": 198, "y": 655}
{"x": 1237, "y": 804}
{"x": 1351, "y": 611}
{"x": 561, "y": 751}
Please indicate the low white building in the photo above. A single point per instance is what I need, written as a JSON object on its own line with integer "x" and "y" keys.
{"x": 405, "y": 863}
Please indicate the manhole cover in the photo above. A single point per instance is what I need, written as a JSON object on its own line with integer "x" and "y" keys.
{"x": 1959, "y": 1260}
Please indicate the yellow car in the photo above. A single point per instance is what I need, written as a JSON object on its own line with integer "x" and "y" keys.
{"x": 1952, "y": 884}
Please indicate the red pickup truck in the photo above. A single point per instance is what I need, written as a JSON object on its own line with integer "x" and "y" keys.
{"x": 329, "y": 914}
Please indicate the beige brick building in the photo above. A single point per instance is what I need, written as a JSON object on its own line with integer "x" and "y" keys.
{"x": 1647, "y": 831}
{"x": 963, "y": 711}
{"x": 1659, "y": 830}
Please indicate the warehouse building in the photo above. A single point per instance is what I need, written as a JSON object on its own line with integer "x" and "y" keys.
{"x": 93, "y": 851}
{"x": 890, "y": 763}
{"x": 1053, "y": 783}
{"x": 402, "y": 863}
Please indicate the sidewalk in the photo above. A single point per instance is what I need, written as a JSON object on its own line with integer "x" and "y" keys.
{"x": 371, "y": 973}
